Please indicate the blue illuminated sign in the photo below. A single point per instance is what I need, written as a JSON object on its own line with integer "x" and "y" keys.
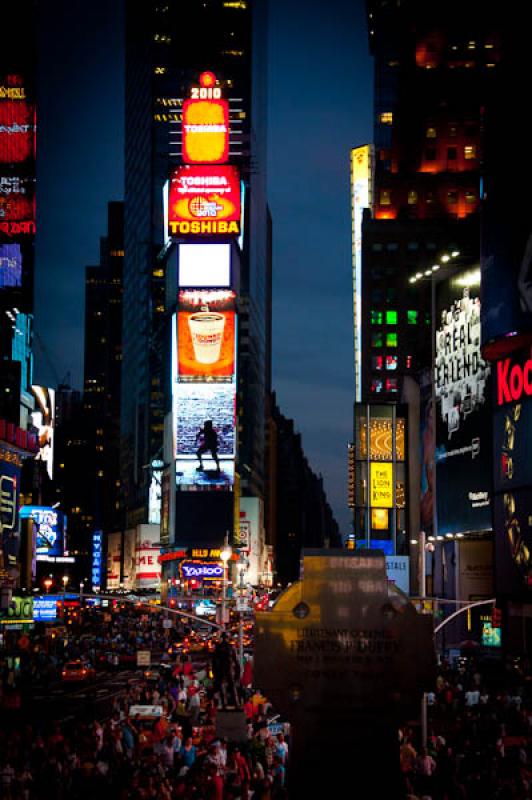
{"x": 49, "y": 529}
{"x": 45, "y": 608}
{"x": 96, "y": 575}
{"x": 197, "y": 569}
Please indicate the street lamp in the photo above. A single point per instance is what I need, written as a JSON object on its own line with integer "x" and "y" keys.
{"x": 65, "y": 581}
{"x": 225, "y": 555}
{"x": 47, "y": 584}
{"x": 243, "y": 565}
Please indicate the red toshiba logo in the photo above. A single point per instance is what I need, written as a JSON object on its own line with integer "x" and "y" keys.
{"x": 513, "y": 381}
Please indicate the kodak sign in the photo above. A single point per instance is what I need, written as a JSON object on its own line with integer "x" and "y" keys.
{"x": 513, "y": 380}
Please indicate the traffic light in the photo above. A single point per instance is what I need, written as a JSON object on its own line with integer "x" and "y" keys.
{"x": 496, "y": 617}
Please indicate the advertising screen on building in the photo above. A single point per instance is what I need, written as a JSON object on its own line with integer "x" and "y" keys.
{"x": 463, "y": 408}
{"x": 206, "y": 331}
{"x": 10, "y": 467}
{"x": 204, "y": 265}
{"x": 513, "y": 543}
{"x": 10, "y": 265}
{"x": 204, "y": 200}
{"x": 512, "y": 422}
{"x": 50, "y": 530}
{"x": 205, "y": 434}
{"x": 97, "y": 560}
{"x": 17, "y": 130}
{"x": 361, "y": 158}
{"x": 44, "y": 420}
{"x": 204, "y": 392}
{"x": 205, "y": 123}
{"x": 381, "y": 485}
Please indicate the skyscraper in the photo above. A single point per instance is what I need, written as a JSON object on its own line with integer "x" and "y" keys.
{"x": 168, "y": 45}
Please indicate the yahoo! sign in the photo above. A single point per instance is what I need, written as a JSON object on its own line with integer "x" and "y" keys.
{"x": 196, "y": 569}
{"x": 513, "y": 380}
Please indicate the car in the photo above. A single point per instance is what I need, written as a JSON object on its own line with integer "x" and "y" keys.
{"x": 77, "y": 670}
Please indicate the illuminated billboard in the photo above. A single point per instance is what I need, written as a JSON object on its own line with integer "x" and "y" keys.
{"x": 10, "y": 265}
{"x": 205, "y": 124}
{"x": 361, "y": 191}
{"x": 463, "y": 408}
{"x": 205, "y": 434}
{"x": 17, "y": 198}
{"x": 206, "y": 331}
{"x": 44, "y": 420}
{"x": 50, "y": 530}
{"x": 204, "y": 200}
{"x": 17, "y": 130}
{"x": 202, "y": 265}
{"x": 381, "y": 485}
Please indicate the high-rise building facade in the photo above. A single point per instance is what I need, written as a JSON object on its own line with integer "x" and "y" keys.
{"x": 168, "y": 47}
{"x": 102, "y": 374}
{"x": 434, "y": 69}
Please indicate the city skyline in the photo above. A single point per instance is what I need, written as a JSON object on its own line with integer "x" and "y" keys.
{"x": 75, "y": 137}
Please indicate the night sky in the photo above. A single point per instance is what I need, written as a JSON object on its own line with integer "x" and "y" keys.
{"x": 320, "y": 104}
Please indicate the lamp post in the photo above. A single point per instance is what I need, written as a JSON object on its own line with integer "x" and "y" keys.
{"x": 243, "y": 564}
{"x": 47, "y": 584}
{"x": 65, "y": 581}
{"x": 81, "y": 587}
{"x": 225, "y": 555}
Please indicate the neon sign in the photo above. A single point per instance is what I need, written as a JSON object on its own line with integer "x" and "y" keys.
{"x": 196, "y": 569}
{"x": 204, "y": 200}
{"x": 205, "y": 124}
{"x": 513, "y": 383}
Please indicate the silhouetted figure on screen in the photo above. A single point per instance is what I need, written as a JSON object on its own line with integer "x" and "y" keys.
{"x": 209, "y": 444}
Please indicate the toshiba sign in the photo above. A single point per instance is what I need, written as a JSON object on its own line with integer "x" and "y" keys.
{"x": 513, "y": 380}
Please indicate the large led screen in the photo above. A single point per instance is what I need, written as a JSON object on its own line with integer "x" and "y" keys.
{"x": 206, "y": 335}
{"x": 512, "y": 422}
{"x": 204, "y": 200}
{"x": 50, "y": 526}
{"x": 463, "y": 409}
{"x": 202, "y": 265}
{"x": 44, "y": 420}
{"x": 204, "y": 434}
{"x": 205, "y": 129}
{"x": 10, "y": 265}
{"x": 17, "y": 130}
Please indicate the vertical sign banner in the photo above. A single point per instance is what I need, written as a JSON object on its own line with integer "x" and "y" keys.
{"x": 205, "y": 125}
{"x": 361, "y": 190}
{"x": 463, "y": 409}
{"x": 381, "y": 485}
{"x": 96, "y": 569}
{"x": 44, "y": 420}
{"x": 204, "y": 200}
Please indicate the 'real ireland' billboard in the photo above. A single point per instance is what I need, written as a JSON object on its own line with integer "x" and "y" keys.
{"x": 463, "y": 408}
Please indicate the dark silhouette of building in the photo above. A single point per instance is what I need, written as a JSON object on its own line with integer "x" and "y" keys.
{"x": 434, "y": 69}
{"x": 102, "y": 375}
{"x": 167, "y": 46}
{"x": 302, "y": 515}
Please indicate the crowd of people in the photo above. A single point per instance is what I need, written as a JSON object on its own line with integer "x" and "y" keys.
{"x": 479, "y": 738}
{"x": 174, "y": 751}
{"x": 477, "y": 745}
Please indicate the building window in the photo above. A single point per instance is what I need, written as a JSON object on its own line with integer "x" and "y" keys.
{"x": 390, "y": 295}
{"x": 470, "y": 152}
{"x": 376, "y": 385}
{"x": 376, "y": 317}
{"x": 391, "y": 317}
{"x": 431, "y": 132}
{"x": 452, "y": 153}
{"x": 376, "y": 362}
{"x": 385, "y": 197}
{"x": 430, "y": 154}
{"x": 391, "y": 362}
{"x": 470, "y": 198}
{"x": 386, "y": 117}
{"x": 377, "y": 339}
{"x": 412, "y": 197}
{"x": 391, "y": 384}
{"x": 409, "y": 362}
{"x": 376, "y": 295}
{"x": 412, "y": 246}
{"x": 392, "y": 246}
{"x": 430, "y": 198}
{"x": 453, "y": 131}
{"x": 391, "y": 340}
{"x": 452, "y": 197}
{"x": 376, "y": 247}
{"x": 411, "y": 317}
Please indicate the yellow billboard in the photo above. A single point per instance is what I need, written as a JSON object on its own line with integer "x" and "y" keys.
{"x": 381, "y": 485}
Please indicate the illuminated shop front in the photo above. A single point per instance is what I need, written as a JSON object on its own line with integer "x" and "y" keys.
{"x": 380, "y": 478}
